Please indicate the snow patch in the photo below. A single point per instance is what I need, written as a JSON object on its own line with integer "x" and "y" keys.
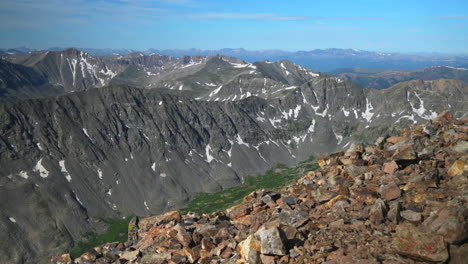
{"x": 209, "y": 158}
{"x": 346, "y": 113}
{"x": 64, "y": 170}
{"x": 313, "y": 74}
{"x": 367, "y": 114}
{"x": 153, "y": 167}
{"x": 421, "y": 110}
{"x": 99, "y": 171}
{"x": 40, "y": 168}
{"x": 87, "y": 135}
{"x": 356, "y": 113}
{"x": 23, "y": 175}
{"x": 78, "y": 200}
{"x": 409, "y": 117}
{"x": 13, "y": 220}
{"x": 311, "y": 127}
{"x": 339, "y": 138}
{"x": 216, "y": 91}
{"x": 191, "y": 63}
{"x": 241, "y": 142}
{"x": 323, "y": 114}
{"x": 260, "y": 119}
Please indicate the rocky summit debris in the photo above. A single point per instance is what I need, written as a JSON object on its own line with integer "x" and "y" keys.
{"x": 402, "y": 200}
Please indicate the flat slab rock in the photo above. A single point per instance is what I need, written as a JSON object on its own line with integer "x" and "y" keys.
{"x": 419, "y": 244}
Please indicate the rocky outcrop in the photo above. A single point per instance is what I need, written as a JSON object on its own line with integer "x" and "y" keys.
{"x": 353, "y": 210}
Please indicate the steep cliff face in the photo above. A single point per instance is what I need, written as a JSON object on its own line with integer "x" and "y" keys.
{"x": 201, "y": 125}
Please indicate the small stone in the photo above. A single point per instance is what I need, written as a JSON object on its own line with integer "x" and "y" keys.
{"x": 293, "y": 253}
{"x": 206, "y": 244}
{"x": 379, "y": 141}
{"x": 226, "y": 253}
{"x": 444, "y": 116}
{"x": 457, "y": 168}
{"x": 249, "y": 250}
{"x": 461, "y": 146}
{"x": 366, "y": 195}
{"x": 130, "y": 255}
{"x": 411, "y": 216}
{"x": 62, "y": 259}
{"x": 183, "y": 236}
{"x": 394, "y": 213}
{"x": 289, "y": 200}
{"x": 91, "y": 255}
{"x": 191, "y": 254}
{"x": 267, "y": 259}
{"x": 156, "y": 258}
{"x": 378, "y": 212}
{"x": 390, "y": 191}
{"x": 390, "y": 167}
{"x": 396, "y": 139}
{"x": 405, "y": 152}
{"x": 338, "y": 224}
{"x": 368, "y": 176}
{"x": 293, "y": 218}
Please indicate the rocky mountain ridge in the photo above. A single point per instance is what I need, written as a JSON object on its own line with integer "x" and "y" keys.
{"x": 401, "y": 200}
{"x": 318, "y": 59}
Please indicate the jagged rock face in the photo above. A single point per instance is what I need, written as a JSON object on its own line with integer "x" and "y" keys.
{"x": 17, "y": 81}
{"x": 340, "y": 214}
{"x": 119, "y": 151}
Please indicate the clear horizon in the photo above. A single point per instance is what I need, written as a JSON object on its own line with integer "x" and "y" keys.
{"x": 422, "y": 53}
{"x": 397, "y": 26}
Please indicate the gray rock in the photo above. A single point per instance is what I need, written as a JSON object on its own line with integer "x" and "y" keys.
{"x": 271, "y": 242}
{"x": 411, "y": 216}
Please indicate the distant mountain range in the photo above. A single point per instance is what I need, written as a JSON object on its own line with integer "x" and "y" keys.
{"x": 86, "y": 137}
{"x": 324, "y": 60}
{"x": 380, "y": 79}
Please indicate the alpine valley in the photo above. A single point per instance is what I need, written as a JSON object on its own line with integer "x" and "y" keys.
{"x": 85, "y": 138}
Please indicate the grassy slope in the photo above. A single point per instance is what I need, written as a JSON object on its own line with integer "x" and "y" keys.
{"x": 116, "y": 231}
{"x": 272, "y": 179}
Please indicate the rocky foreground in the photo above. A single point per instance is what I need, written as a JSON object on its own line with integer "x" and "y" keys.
{"x": 402, "y": 200}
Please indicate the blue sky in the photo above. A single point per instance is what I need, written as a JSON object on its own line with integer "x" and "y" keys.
{"x": 395, "y": 26}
